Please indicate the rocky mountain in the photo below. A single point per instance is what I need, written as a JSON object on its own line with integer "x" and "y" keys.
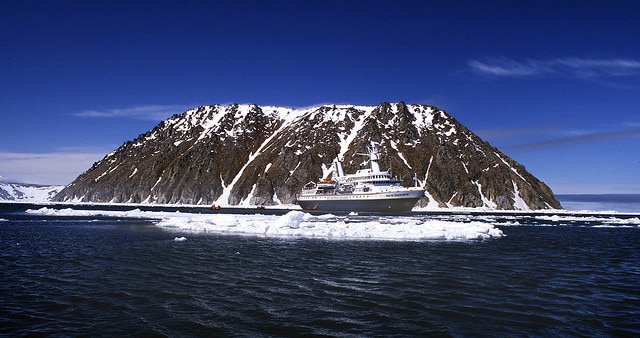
{"x": 25, "y": 192}
{"x": 252, "y": 155}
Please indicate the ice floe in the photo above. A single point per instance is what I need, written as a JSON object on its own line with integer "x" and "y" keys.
{"x": 301, "y": 224}
{"x": 298, "y": 224}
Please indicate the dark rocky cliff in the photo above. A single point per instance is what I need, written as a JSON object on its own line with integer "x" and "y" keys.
{"x": 247, "y": 154}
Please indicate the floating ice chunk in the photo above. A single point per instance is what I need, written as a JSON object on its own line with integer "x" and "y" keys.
{"x": 180, "y": 239}
{"x": 290, "y": 220}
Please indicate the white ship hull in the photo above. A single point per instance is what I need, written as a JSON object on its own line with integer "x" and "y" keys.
{"x": 401, "y": 200}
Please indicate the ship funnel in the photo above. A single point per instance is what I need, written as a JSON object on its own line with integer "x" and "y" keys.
{"x": 339, "y": 170}
{"x": 374, "y": 158}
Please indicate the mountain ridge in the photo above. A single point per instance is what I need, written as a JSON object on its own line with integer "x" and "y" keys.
{"x": 27, "y": 192}
{"x": 253, "y": 155}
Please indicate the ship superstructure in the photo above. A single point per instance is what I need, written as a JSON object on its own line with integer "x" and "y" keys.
{"x": 367, "y": 190}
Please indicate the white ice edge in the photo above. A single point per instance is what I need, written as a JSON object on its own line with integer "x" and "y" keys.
{"x": 448, "y": 210}
{"x": 303, "y": 225}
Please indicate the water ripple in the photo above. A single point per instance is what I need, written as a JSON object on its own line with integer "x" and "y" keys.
{"x": 113, "y": 278}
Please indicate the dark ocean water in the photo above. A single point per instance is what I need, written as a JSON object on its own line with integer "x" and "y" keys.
{"x": 111, "y": 277}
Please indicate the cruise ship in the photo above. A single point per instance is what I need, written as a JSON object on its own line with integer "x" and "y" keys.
{"x": 370, "y": 190}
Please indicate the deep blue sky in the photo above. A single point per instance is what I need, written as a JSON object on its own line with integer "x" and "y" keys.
{"x": 553, "y": 84}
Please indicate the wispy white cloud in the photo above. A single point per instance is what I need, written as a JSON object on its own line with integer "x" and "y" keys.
{"x": 499, "y": 134}
{"x": 552, "y": 138}
{"x": 149, "y": 112}
{"x": 506, "y": 67}
{"x": 591, "y": 69}
{"x": 59, "y": 168}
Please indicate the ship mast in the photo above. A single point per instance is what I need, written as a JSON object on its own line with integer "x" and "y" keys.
{"x": 374, "y": 158}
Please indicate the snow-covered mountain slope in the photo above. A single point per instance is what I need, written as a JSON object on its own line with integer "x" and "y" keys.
{"x": 23, "y": 192}
{"x": 249, "y": 155}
